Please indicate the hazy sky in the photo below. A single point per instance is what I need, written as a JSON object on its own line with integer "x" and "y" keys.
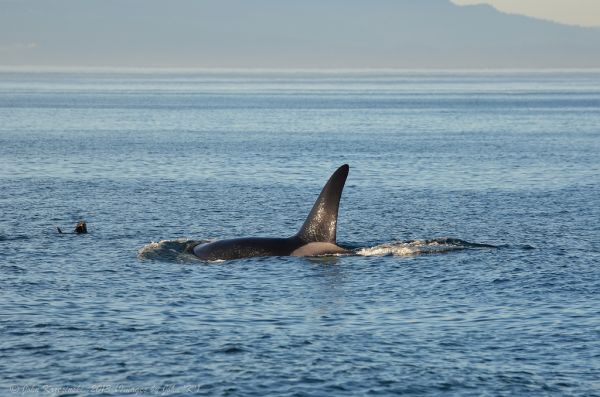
{"x": 574, "y": 12}
{"x": 293, "y": 34}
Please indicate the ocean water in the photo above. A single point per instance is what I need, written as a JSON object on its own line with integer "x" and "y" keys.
{"x": 472, "y": 206}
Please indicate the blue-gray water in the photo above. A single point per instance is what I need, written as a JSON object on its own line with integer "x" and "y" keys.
{"x": 151, "y": 160}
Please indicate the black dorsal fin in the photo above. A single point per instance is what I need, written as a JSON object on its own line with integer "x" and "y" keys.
{"x": 321, "y": 223}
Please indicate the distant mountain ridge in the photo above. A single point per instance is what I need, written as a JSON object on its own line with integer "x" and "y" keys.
{"x": 286, "y": 34}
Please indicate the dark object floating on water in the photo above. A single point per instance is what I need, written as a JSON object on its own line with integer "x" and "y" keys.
{"x": 80, "y": 228}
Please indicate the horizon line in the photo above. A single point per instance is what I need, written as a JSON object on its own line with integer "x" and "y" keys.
{"x": 287, "y": 70}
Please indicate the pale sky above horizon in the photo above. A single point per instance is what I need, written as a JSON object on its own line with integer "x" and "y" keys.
{"x": 296, "y": 34}
{"x": 572, "y": 12}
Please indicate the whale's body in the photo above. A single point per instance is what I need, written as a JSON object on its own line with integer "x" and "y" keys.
{"x": 317, "y": 236}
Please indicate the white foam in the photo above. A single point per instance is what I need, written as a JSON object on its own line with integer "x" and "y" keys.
{"x": 168, "y": 250}
{"x": 395, "y": 249}
{"x": 415, "y": 247}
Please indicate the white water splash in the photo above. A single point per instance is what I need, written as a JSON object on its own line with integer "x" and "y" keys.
{"x": 418, "y": 247}
{"x": 177, "y": 250}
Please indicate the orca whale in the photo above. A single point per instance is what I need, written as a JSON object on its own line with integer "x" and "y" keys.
{"x": 317, "y": 236}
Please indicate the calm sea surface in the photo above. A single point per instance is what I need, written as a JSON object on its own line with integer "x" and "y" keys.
{"x": 152, "y": 160}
